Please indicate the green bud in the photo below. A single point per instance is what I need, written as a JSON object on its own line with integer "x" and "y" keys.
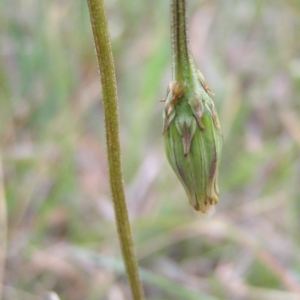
{"x": 193, "y": 141}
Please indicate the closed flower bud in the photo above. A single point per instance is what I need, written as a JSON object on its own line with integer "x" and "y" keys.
{"x": 193, "y": 138}
{"x": 193, "y": 141}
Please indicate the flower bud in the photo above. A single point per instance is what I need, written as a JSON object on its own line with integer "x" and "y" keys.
{"x": 193, "y": 141}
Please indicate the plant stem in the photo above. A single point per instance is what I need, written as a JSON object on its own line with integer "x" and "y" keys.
{"x": 110, "y": 105}
{"x": 182, "y": 61}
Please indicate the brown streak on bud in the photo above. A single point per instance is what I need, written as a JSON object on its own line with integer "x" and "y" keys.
{"x": 165, "y": 125}
{"x": 198, "y": 117}
{"x": 203, "y": 82}
{"x": 214, "y": 115}
{"x": 186, "y": 138}
{"x": 169, "y": 108}
{"x": 177, "y": 89}
{"x": 213, "y": 165}
{"x": 215, "y": 120}
{"x": 179, "y": 169}
{"x": 198, "y": 109}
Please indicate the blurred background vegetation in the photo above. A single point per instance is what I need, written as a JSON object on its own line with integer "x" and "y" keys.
{"x": 61, "y": 235}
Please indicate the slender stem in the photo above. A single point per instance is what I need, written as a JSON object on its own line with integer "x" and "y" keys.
{"x": 180, "y": 46}
{"x": 110, "y": 104}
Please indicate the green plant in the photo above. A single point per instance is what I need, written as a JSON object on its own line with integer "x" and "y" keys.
{"x": 193, "y": 138}
{"x": 192, "y": 133}
{"x": 110, "y": 104}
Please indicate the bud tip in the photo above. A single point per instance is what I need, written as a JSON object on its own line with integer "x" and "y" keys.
{"x": 211, "y": 209}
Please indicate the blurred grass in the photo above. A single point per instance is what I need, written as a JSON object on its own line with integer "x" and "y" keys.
{"x": 53, "y": 151}
{"x": 3, "y": 229}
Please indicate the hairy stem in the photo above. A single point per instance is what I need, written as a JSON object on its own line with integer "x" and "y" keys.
{"x": 182, "y": 61}
{"x": 110, "y": 105}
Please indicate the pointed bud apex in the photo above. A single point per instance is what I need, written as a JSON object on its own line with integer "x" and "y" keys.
{"x": 186, "y": 128}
